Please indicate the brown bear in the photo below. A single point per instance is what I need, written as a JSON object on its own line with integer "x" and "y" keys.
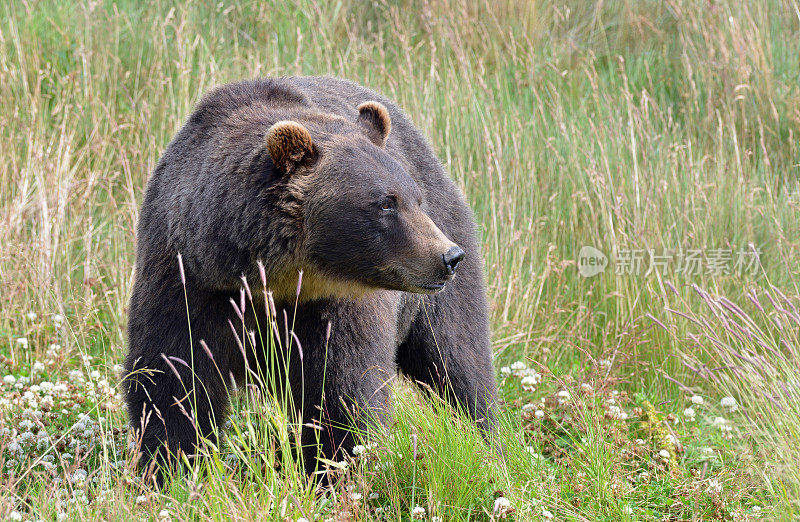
{"x": 277, "y": 175}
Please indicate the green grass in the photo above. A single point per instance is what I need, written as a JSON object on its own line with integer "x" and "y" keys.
{"x": 620, "y": 125}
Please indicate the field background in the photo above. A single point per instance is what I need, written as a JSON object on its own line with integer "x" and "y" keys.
{"x": 619, "y": 124}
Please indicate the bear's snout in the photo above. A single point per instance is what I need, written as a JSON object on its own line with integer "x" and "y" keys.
{"x": 452, "y": 258}
{"x": 436, "y": 259}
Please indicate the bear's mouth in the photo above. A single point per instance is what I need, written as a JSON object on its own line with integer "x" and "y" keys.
{"x": 433, "y": 287}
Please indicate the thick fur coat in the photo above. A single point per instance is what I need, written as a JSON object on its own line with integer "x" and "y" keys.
{"x": 320, "y": 175}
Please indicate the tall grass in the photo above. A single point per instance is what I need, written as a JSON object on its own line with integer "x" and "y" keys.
{"x": 621, "y": 125}
{"x": 750, "y": 350}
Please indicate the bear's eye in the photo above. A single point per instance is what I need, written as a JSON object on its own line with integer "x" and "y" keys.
{"x": 389, "y": 203}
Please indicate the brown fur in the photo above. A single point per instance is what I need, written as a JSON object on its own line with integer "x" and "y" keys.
{"x": 289, "y": 144}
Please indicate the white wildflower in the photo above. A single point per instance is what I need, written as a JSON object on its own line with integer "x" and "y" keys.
{"x": 689, "y": 413}
{"x": 22, "y": 341}
{"x": 627, "y": 510}
{"x": 355, "y": 497}
{"x": 534, "y": 375}
{"x": 563, "y": 396}
{"x": 729, "y": 403}
{"x": 9, "y": 379}
{"x": 546, "y": 514}
{"x": 519, "y": 366}
{"x": 418, "y": 513}
{"x": 505, "y": 371}
{"x": 696, "y": 399}
{"x": 664, "y": 454}
{"x": 615, "y": 412}
{"x": 141, "y": 499}
{"x": 529, "y": 382}
{"x": 359, "y": 450}
{"x": 76, "y": 376}
{"x": 533, "y": 453}
{"x": 31, "y": 316}
{"x": 502, "y": 507}
{"x": 714, "y": 486}
{"x": 79, "y": 476}
{"x": 539, "y": 414}
{"x": 15, "y": 515}
{"x": 38, "y": 367}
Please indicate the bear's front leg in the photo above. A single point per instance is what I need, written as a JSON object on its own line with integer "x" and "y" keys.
{"x": 170, "y": 415}
{"x": 343, "y": 378}
{"x": 175, "y": 388}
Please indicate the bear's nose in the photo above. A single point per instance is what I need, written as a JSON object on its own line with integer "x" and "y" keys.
{"x": 452, "y": 258}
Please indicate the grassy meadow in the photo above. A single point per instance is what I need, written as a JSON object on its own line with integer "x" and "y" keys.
{"x": 651, "y": 131}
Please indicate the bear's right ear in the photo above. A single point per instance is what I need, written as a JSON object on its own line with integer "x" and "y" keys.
{"x": 375, "y": 121}
{"x": 290, "y": 145}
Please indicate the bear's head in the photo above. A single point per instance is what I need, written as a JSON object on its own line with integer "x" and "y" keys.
{"x": 363, "y": 216}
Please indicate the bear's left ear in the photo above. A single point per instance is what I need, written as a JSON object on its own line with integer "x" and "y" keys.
{"x": 290, "y": 145}
{"x": 375, "y": 121}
